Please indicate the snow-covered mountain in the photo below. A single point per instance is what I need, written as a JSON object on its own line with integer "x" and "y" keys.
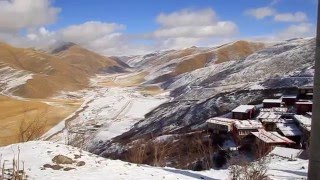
{"x": 218, "y": 88}
{"x": 159, "y": 97}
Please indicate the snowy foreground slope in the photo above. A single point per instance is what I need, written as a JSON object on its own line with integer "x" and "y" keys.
{"x": 36, "y": 154}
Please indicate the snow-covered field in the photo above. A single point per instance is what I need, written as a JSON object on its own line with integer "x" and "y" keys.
{"x": 35, "y": 154}
{"x": 106, "y": 112}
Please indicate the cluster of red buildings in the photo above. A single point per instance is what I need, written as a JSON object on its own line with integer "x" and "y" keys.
{"x": 277, "y": 122}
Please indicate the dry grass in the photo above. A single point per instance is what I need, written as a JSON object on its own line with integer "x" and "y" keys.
{"x": 125, "y": 81}
{"x": 239, "y": 49}
{"x": 85, "y": 59}
{"x": 180, "y": 152}
{"x": 155, "y": 153}
{"x": 151, "y": 90}
{"x": 14, "y": 172}
{"x": 69, "y": 71}
{"x": 174, "y": 55}
{"x": 13, "y": 112}
{"x": 193, "y": 63}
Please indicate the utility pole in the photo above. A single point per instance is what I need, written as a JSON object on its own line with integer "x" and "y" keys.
{"x": 314, "y": 158}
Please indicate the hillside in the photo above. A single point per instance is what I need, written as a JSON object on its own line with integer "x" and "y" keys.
{"x": 86, "y": 60}
{"x": 214, "y": 91}
{"x": 163, "y": 66}
{"x": 84, "y": 165}
{"x": 37, "y": 74}
{"x": 18, "y": 114}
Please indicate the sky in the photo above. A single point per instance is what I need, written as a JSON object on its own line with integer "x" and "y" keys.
{"x": 127, "y": 27}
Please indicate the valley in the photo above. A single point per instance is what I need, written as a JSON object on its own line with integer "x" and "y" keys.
{"x": 131, "y": 108}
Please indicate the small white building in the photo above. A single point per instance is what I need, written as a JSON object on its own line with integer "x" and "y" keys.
{"x": 244, "y": 112}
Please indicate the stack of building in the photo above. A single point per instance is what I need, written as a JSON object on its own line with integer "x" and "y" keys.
{"x": 284, "y": 122}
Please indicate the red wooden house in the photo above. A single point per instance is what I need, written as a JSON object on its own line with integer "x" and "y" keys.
{"x": 303, "y": 107}
{"x": 265, "y": 141}
{"x": 289, "y": 100}
{"x": 270, "y": 103}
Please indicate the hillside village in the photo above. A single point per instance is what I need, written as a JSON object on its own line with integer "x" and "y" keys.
{"x": 258, "y": 129}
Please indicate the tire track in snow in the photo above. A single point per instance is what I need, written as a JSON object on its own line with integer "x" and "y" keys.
{"x": 69, "y": 119}
{"x": 122, "y": 111}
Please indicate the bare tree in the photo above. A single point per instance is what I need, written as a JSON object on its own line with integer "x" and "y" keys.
{"x": 14, "y": 173}
{"x": 32, "y": 129}
{"x": 137, "y": 153}
{"x": 161, "y": 150}
{"x": 242, "y": 169}
{"x": 204, "y": 150}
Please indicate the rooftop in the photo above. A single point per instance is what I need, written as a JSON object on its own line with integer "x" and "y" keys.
{"x": 243, "y": 108}
{"x": 221, "y": 120}
{"x": 306, "y": 87}
{"x": 272, "y": 101}
{"x": 304, "y": 121}
{"x": 286, "y": 152}
{"x": 289, "y": 129}
{"x": 275, "y": 109}
{"x": 248, "y": 124}
{"x": 269, "y": 116}
{"x": 289, "y": 96}
{"x": 271, "y": 137}
{"x": 309, "y": 114}
{"x": 304, "y": 102}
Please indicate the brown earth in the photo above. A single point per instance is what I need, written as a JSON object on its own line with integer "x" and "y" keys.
{"x": 85, "y": 60}
{"x": 13, "y": 112}
{"x": 195, "y": 58}
{"x": 69, "y": 70}
{"x": 239, "y": 49}
{"x": 124, "y": 80}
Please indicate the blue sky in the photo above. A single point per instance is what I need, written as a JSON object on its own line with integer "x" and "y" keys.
{"x": 140, "y": 15}
{"x": 141, "y": 26}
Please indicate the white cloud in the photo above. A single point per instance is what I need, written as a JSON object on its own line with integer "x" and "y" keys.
{"x": 188, "y": 27}
{"x": 89, "y": 31}
{"x": 261, "y": 13}
{"x": 223, "y": 28}
{"x": 187, "y": 17}
{"x": 291, "y": 17}
{"x": 177, "y": 43}
{"x": 18, "y": 14}
{"x": 104, "y": 38}
{"x": 299, "y": 30}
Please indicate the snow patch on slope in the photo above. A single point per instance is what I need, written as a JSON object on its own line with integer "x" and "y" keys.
{"x": 11, "y": 78}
